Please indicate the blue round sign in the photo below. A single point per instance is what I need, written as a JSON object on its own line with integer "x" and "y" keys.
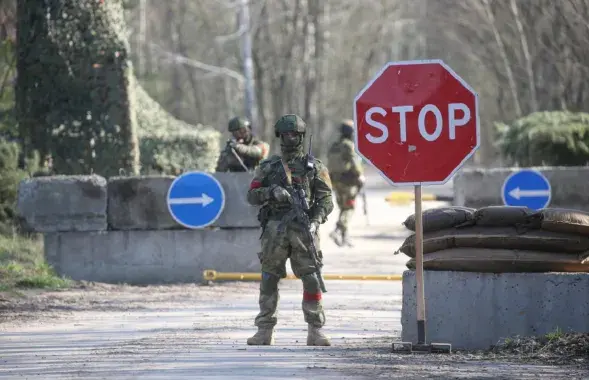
{"x": 195, "y": 199}
{"x": 527, "y": 187}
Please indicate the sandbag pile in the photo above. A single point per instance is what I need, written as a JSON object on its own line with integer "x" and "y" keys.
{"x": 499, "y": 239}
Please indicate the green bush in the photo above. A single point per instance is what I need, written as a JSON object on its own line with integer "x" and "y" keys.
{"x": 556, "y": 138}
{"x": 168, "y": 145}
{"x": 10, "y": 177}
{"x": 77, "y": 97}
{"x": 73, "y": 85}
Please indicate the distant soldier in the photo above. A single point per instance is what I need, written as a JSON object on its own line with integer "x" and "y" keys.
{"x": 243, "y": 152}
{"x": 46, "y": 168}
{"x": 345, "y": 170}
{"x": 289, "y": 233}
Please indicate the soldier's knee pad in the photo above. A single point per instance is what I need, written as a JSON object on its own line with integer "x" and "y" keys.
{"x": 269, "y": 283}
{"x": 311, "y": 283}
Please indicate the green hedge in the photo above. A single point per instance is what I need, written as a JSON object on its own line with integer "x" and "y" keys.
{"x": 77, "y": 97}
{"x": 556, "y": 138}
{"x": 169, "y": 145}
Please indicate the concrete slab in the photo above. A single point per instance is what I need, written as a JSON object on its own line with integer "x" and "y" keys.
{"x": 63, "y": 203}
{"x": 482, "y": 187}
{"x": 152, "y": 257}
{"x": 238, "y": 212}
{"x": 139, "y": 203}
{"x": 477, "y": 310}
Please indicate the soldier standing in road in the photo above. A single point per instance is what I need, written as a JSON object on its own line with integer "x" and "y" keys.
{"x": 347, "y": 175}
{"x": 243, "y": 152}
{"x": 284, "y": 238}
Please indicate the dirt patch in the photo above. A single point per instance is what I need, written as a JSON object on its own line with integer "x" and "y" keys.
{"x": 553, "y": 348}
{"x": 552, "y": 362}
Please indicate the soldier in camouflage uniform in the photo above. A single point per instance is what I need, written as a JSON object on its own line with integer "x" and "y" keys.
{"x": 347, "y": 175}
{"x": 268, "y": 190}
{"x": 46, "y": 169}
{"x": 244, "y": 151}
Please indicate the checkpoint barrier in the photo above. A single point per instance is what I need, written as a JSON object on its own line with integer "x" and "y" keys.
{"x": 475, "y": 311}
{"x": 212, "y": 275}
{"x": 568, "y": 187}
{"x": 121, "y": 231}
{"x": 404, "y": 197}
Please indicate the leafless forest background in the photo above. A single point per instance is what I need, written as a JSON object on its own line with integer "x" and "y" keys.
{"x": 311, "y": 57}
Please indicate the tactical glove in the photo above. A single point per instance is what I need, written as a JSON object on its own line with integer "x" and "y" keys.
{"x": 280, "y": 194}
{"x": 231, "y": 143}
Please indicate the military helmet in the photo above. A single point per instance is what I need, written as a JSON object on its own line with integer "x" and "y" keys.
{"x": 237, "y": 123}
{"x": 289, "y": 123}
{"x": 347, "y": 127}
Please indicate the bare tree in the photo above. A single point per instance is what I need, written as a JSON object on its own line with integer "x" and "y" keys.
{"x": 312, "y": 57}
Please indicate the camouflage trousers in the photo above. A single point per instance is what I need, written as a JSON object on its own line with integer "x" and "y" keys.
{"x": 277, "y": 248}
{"x": 345, "y": 196}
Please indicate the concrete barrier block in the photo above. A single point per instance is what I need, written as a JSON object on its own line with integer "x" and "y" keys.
{"x": 238, "y": 212}
{"x": 63, "y": 203}
{"x": 477, "y": 310}
{"x": 139, "y": 203}
{"x": 482, "y": 187}
{"x": 152, "y": 257}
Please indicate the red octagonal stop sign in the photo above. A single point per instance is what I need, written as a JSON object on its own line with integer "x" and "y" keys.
{"x": 417, "y": 122}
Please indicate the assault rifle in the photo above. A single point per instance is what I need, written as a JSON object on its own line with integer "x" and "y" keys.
{"x": 364, "y": 204}
{"x": 230, "y": 144}
{"x": 300, "y": 211}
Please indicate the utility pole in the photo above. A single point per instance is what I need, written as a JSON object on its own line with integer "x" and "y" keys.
{"x": 424, "y": 40}
{"x": 142, "y": 29}
{"x": 251, "y": 107}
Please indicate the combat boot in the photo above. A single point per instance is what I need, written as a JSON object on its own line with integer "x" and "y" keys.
{"x": 264, "y": 337}
{"x": 345, "y": 239}
{"x": 334, "y": 236}
{"x": 315, "y": 337}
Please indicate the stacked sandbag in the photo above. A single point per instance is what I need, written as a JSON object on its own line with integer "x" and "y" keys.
{"x": 501, "y": 239}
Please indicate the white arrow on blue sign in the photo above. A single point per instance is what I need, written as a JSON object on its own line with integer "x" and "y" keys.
{"x": 527, "y": 187}
{"x": 195, "y": 199}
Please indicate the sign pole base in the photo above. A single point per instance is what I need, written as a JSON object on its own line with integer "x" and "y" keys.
{"x": 421, "y": 346}
{"x": 421, "y": 338}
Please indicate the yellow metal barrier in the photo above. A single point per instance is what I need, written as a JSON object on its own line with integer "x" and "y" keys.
{"x": 401, "y": 197}
{"x": 212, "y": 275}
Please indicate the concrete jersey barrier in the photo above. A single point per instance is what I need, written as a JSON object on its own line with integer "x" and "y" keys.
{"x": 478, "y": 188}
{"x": 477, "y": 310}
{"x": 120, "y": 230}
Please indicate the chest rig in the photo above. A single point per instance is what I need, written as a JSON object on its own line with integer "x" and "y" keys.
{"x": 300, "y": 175}
{"x": 296, "y": 174}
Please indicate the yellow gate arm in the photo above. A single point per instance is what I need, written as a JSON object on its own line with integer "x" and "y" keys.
{"x": 212, "y": 275}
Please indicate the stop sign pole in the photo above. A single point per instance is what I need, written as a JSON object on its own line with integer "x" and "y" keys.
{"x": 417, "y": 123}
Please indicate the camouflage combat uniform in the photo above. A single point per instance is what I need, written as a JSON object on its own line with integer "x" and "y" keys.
{"x": 46, "y": 169}
{"x": 244, "y": 145}
{"x": 347, "y": 176}
{"x": 267, "y": 189}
